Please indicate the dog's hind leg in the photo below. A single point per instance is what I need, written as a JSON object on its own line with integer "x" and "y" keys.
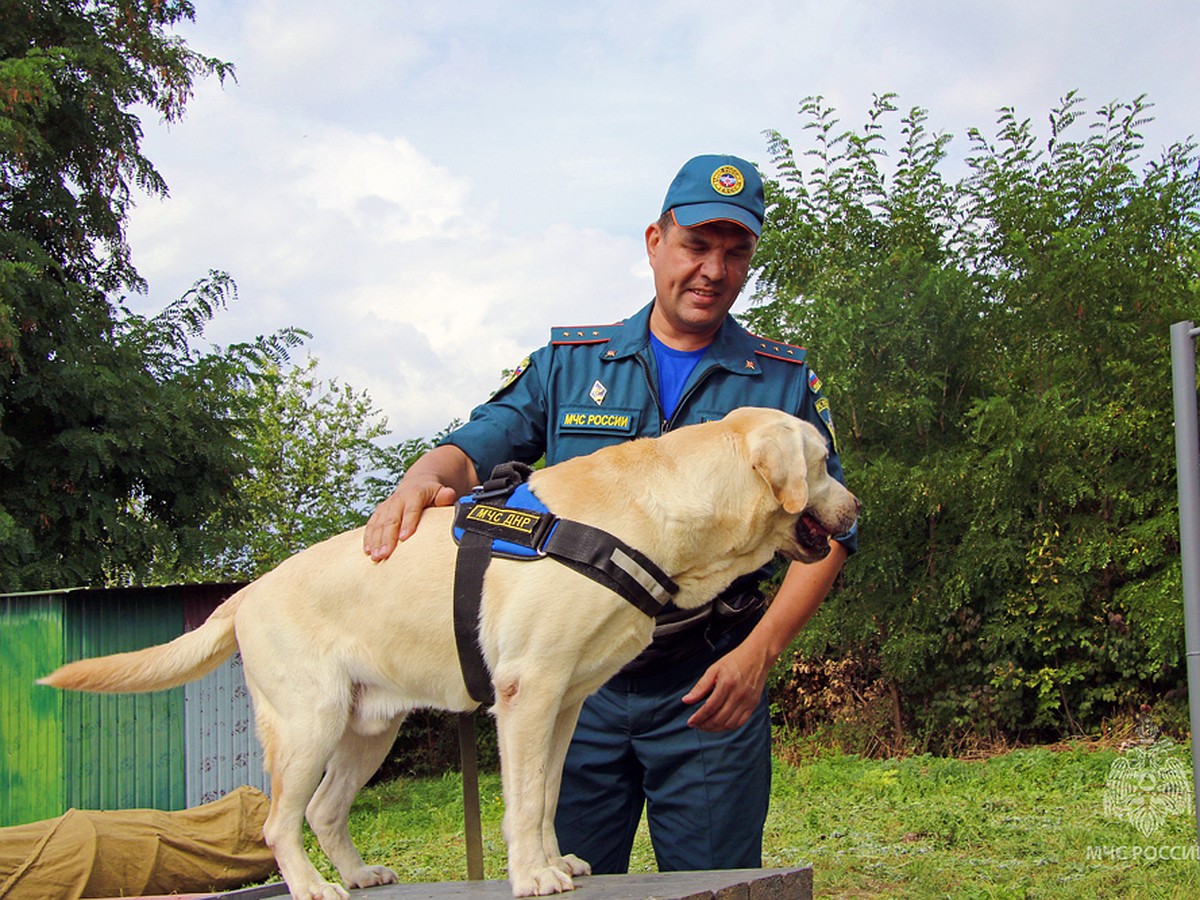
{"x": 356, "y": 759}
{"x": 296, "y": 752}
{"x": 526, "y": 712}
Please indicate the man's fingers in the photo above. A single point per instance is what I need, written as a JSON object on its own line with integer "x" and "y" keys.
{"x": 396, "y": 519}
{"x": 382, "y": 548}
{"x": 380, "y": 536}
{"x": 410, "y": 517}
{"x": 720, "y": 713}
{"x": 701, "y": 688}
{"x": 436, "y": 479}
{"x": 383, "y": 528}
{"x": 707, "y": 689}
{"x": 728, "y": 700}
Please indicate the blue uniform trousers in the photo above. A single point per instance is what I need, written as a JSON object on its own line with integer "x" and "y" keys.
{"x": 706, "y": 795}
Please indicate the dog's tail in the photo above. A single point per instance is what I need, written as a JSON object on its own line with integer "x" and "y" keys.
{"x": 157, "y": 668}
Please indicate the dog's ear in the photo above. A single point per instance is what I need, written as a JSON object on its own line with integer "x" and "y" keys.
{"x": 777, "y": 455}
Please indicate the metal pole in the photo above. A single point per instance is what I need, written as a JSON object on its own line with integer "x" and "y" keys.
{"x": 472, "y": 822}
{"x": 1187, "y": 462}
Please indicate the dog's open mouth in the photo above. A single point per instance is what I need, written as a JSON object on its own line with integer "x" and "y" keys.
{"x": 811, "y": 535}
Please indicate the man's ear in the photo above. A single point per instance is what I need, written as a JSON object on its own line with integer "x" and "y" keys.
{"x": 778, "y": 460}
{"x": 654, "y": 237}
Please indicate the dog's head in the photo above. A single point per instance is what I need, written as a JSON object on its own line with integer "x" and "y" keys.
{"x": 790, "y": 455}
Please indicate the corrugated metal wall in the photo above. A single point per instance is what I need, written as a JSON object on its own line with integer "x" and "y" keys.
{"x": 222, "y": 749}
{"x": 31, "y": 783}
{"x": 223, "y": 752}
{"x": 164, "y": 750}
{"x": 122, "y": 751}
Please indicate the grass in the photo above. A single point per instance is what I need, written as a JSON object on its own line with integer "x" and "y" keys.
{"x": 1029, "y": 823}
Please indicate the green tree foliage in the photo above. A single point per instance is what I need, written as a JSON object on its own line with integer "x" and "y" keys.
{"x": 317, "y": 466}
{"x": 996, "y": 348}
{"x": 115, "y": 437}
{"x": 70, "y": 71}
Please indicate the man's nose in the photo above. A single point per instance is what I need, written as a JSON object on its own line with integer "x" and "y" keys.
{"x": 714, "y": 266}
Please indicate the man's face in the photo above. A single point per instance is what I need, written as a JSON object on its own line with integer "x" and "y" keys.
{"x": 698, "y": 274}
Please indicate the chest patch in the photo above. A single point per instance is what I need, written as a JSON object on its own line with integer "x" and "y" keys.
{"x": 607, "y": 421}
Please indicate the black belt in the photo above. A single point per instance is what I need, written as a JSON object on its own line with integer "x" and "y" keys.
{"x": 483, "y": 518}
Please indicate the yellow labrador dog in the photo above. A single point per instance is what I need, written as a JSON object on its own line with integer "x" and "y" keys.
{"x": 337, "y": 648}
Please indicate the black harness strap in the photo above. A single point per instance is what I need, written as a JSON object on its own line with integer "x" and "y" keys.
{"x": 588, "y": 550}
{"x": 474, "y": 554}
{"x": 614, "y": 564}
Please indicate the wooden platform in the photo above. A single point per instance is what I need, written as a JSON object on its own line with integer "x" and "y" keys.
{"x": 728, "y": 884}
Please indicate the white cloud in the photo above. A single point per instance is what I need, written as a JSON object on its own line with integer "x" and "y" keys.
{"x": 438, "y": 339}
{"x": 427, "y": 188}
{"x": 382, "y": 188}
{"x": 412, "y": 289}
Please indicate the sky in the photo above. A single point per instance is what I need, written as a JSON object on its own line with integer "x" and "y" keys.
{"x": 427, "y": 187}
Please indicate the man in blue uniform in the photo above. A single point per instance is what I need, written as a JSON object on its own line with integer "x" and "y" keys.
{"x": 684, "y": 729}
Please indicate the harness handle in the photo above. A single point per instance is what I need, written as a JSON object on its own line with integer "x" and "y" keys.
{"x": 505, "y": 479}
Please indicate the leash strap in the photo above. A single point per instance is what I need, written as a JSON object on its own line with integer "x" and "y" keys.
{"x": 472, "y": 821}
{"x": 474, "y": 554}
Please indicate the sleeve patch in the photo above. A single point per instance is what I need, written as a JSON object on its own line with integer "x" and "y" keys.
{"x": 516, "y": 373}
{"x": 822, "y": 407}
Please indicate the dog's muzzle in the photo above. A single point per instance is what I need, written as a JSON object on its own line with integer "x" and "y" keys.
{"x": 813, "y": 535}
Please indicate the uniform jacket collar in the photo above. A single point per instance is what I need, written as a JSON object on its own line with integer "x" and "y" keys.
{"x": 732, "y": 349}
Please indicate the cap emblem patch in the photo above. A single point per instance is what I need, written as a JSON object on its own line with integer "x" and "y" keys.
{"x": 728, "y": 181}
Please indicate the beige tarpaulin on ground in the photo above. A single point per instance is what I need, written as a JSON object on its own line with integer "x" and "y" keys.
{"x": 125, "y": 853}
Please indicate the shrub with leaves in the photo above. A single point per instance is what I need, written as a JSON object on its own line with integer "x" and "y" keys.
{"x": 996, "y": 348}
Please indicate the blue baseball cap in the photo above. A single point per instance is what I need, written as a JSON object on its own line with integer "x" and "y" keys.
{"x": 717, "y": 188}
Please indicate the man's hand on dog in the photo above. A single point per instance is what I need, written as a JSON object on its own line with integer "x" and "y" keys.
{"x": 396, "y": 518}
{"x": 438, "y": 478}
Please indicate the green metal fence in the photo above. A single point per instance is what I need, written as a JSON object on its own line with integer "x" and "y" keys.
{"x": 61, "y": 749}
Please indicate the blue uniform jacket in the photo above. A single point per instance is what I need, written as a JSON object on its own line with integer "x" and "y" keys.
{"x": 592, "y": 386}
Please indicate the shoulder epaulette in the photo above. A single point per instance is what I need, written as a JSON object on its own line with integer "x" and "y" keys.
{"x": 778, "y": 350}
{"x": 582, "y": 334}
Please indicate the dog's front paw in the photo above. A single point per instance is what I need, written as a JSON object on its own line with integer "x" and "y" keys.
{"x": 542, "y": 882}
{"x": 572, "y": 865}
{"x": 370, "y": 876}
{"x": 320, "y": 890}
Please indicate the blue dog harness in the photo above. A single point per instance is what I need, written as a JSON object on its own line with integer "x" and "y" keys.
{"x": 503, "y": 518}
{"x": 518, "y": 529}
